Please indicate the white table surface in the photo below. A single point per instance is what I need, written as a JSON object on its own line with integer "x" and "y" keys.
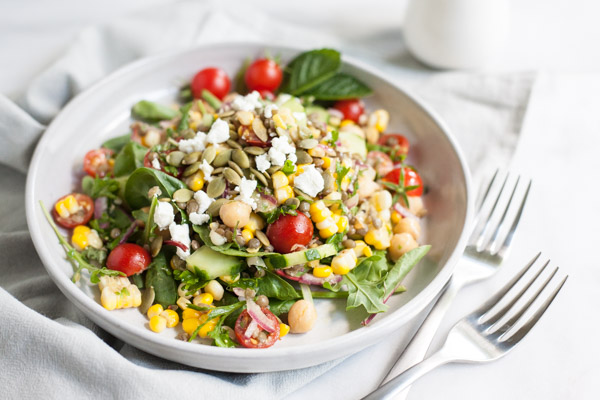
{"x": 558, "y": 148}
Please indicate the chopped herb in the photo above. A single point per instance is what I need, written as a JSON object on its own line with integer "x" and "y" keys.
{"x": 288, "y": 168}
{"x": 341, "y": 172}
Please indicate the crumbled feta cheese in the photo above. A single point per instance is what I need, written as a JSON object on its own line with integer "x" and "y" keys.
{"x": 181, "y": 234}
{"x": 246, "y": 190}
{"x": 283, "y": 145}
{"x": 156, "y": 163}
{"x": 217, "y": 239}
{"x": 299, "y": 116}
{"x": 276, "y": 156}
{"x": 207, "y": 170}
{"x": 328, "y": 137}
{"x": 269, "y": 108}
{"x": 163, "y": 214}
{"x": 262, "y": 163}
{"x": 197, "y": 143}
{"x": 248, "y": 102}
{"x": 219, "y": 132}
{"x": 293, "y": 158}
{"x": 199, "y": 219}
{"x": 310, "y": 181}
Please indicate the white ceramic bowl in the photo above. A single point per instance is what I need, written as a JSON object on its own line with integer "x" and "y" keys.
{"x": 103, "y": 111}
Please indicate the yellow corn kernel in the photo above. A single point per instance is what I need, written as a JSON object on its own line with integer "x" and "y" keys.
{"x": 151, "y": 138}
{"x": 317, "y": 152}
{"x": 283, "y": 329}
{"x": 182, "y": 302}
{"x": 326, "y": 162}
{"x": 322, "y": 271}
{"x": 346, "y": 122}
{"x": 157, "y": 324}
{"x": 215, "y": 288}
{"x": 196, "y": 181}
{"x": 343, "y": 262}
{"x": 279, "y": 121}
{"x": 205, "y": 299}
{"x": 108, "y": 299}
{"x": 378, "y": 238}
{"x": 67, "y": 206}
{"x": 171, "y": 317}
{"x": 80, "y": 237}
{"x": 247, "y": 234}
{"x": 396, "y": 217}
{"x": 368, "y": 252}
{"x": 156, "y": 309}
{"x": 255, "y": 223}
{"x": 189, "y": 313}
{"x": 279, "y": 180}
{"x": 359, "y": 248}
{"x": 342, "y": 224}
{"x": 382, "y": 118}
{"x": 189, "y": 325}
{"x": 284, "y": 193}
{"x": 381, "y": 200}
{"x": 313, "y": 263}
{"x": 229, "y": 278}
{"x": 327, "y": 228}
{"x": 208, "y": 326}
{"x": 319, "y": 211}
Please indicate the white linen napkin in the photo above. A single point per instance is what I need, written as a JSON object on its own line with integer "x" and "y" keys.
{"x": 48, "y": 348}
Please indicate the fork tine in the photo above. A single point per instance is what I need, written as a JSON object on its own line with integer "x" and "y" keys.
{"x": 514, "y": 319}
{"x": 501, "y": 252}
{"x": 492, "y": 242}
{"x": 487, "y": 306}
{"x": 487, "y": 191}
{"x": 500, "y": 313}
{"x": 482, "y": 231}
{"x": 524, "y": 330}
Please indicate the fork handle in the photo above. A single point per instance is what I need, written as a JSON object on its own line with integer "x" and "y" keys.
{"x": 408, "y": 377}
{"x": 419, "y": 344}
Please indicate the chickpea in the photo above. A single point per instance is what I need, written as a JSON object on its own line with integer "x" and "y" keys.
{"x": 302, "y": 316}
{"x": 401, "y": 243}
{"x": 366, "y": 184}
{"x": 235, "y": 213}
{"x": 409, "y": 225}
{"x": 415, "y": 206}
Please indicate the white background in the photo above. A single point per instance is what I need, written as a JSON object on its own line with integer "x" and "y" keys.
{"x": 558, "y": 148}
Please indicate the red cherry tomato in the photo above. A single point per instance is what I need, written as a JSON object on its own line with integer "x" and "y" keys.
{"x": 411, "y": 178}
{"x": 242, "y": 323}
{"x": 81, "y": 217}
{"x": 352, "y": 109}
{"x": 96, "y": 163}
{"x": 128, "y": 258}
{"x": 263, "y": 74}
{"x": 215, "y": 80}
{"x": 395, "y": 141}
{"x": 381, "y": 162}
{"x": 290, "y": 230}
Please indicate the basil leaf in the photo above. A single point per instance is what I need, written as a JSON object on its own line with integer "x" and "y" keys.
{"x": 204, "y": 232}
{"x": 402, "y": 267}
{"x": 339, "y": 87}
{"x": 130, "y": 158}
{"x": 152, "y": 112}
{"x": 159, "y": 276}
{"x": 117, "y": 143}
{"x": 142, "y": 179}
{"x": 309, "y": 69}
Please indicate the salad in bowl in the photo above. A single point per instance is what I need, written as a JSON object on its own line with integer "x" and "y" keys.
{"x": 223, "y": 217}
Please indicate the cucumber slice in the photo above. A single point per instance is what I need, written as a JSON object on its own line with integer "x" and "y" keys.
{"x": 208, "y": 264}
{"x": 293, "y": 105}
{"x": 317, "y": 113}
{"x": 280, "y": 261}
{"x": 353, "y": 143}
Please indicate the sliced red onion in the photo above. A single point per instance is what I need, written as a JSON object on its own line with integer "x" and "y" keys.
{"x": 252, "y": 327}
{"x": 334, "y": 112}
{"x": 310, "y": 279}
{"x": 129, "y": 232}
{"x": 259, "y": 316}
{"x": 403, "y": 211}
{"x": 100, "y": 205}
{"x": 269, "y": 198}
{"x": 240, "y": 292}
{"x": 177, "y": 244}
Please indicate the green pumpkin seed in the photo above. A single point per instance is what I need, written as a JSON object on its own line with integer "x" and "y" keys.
{"x": 222, "y": 158}
{"x": 293, "y": 202}
{"x": 235, "y": 167}
{"x": 308, "y": 143}
{"x": 245, "y": 117}
{"x": 215, "y": 207}
{"x": 175, "y": 158}
{"x": 301, "y": 193}
{"x": 217, "y": 171}
{"x": 328, "y": 180}
{"x": 191, "y": 158}
{"x": 273, "y": 169}
{"x": 240, "y": 158}
{"x": 226, "y": 114}
{"x": 259, "y": 129}
{"x": 156, "y": 245}
{"x": 216, "y": 187}
{"x": 183, "y": 195}
{"x": 192, "y": 169}
{"x": 258, "y": 175}
{"x": 147, "y": 300}
{"x": 234, "y": 144}
{"x": 263, "y": 238}
{"x": 189, "y": 134}
{"x": 232, "y": 176}
{"x": 233, "y": 135}
{"x": 303, "y": 157}
{"x": 255, "y": 150}
{"x": 209, "y": 154}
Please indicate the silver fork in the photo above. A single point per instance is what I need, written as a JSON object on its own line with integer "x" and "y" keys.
{"x": 481, "y": 258}
{"x": 484, "y": 335}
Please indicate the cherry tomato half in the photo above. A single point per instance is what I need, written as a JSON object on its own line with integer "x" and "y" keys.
{"x": 352, "y": 109}
{"x": 263, "y": 74}
{"x": 128, "y": 258}
{"x": 290, "y": 230}
{"x": 96, "y": 163}
{"x": 395, "y": 141}
{"x": 81, "y": 217}
{"x": 381, "y": 162}
{"x": 411, "y": 178}
{"x": 242, "y": 323}
{"x": 215, "y": 80}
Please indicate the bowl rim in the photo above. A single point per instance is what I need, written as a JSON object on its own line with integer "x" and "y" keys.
{"x": 125, "y": 331}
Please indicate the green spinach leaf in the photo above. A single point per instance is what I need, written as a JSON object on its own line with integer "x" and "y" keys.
{"x": 142, "y": 179}
{"x": 273, "y": 286}
{"x": 159, "y": 276}
{"x": 339, "y": 87}
{"x": 309, "y": 69}
{"x": 117, "y": 143}
{"x": 279, "y": 307}
{"x": 130, "y": 158}
{"x": 99, "y": 187}
{"x": 152, "y": 112}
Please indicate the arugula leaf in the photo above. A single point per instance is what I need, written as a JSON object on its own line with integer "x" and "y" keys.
{"x": 220, "y": 336}
{"x": 402, "y": 267}
{"x": 288, "y": 167}
{"x": 204, "y": 232}
{"x": 309, "y": 69}
{"x": 373, "y": 268}
{"x": 366, "y": 293}
{"x": 152, "y": 112}
{"x": 130, "y": 158}
{"x": 94, "y": 256}
{"x": 117, "y": 143}
{"x": 339, "y": 87}
{"x": 185, "y": 117}
{"x": 142, "y": 179}
{"x": 341, "y": 172}
{"x": 191, "y": 282}
{"x": 160, "y": 277}
{"x": 283, "y": 210}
